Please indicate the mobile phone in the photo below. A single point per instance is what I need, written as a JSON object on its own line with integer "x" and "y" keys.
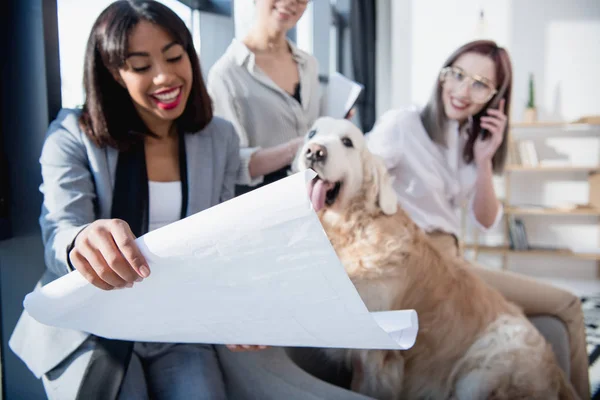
{"x": 495, "y": 103}
{"x": 484, "y": 133}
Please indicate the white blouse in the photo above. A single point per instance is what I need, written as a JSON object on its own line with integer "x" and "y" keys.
{"x": 432, "y": 181}
{"x": 164, "y": 200}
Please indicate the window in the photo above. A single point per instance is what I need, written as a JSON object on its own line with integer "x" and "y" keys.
{"x": 220, "y": 7}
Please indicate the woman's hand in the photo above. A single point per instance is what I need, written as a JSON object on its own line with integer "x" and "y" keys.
{"x": 495, "y": 123}
{"x": 244, "y": 347}
{"x": 271, "y": 159}
{"x": 294, "y": 146}
{"x": 106, "y": 254}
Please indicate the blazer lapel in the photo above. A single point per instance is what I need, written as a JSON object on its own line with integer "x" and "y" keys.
{"x": 105, "y": 182}
{"x": 199, "y": 150}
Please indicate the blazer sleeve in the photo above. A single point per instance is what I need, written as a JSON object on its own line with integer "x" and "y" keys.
{"x": 232, "y": 166}
{"x": 68, "y": 193}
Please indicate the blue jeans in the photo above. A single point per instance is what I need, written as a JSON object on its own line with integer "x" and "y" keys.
{"x": 157, "y": 371}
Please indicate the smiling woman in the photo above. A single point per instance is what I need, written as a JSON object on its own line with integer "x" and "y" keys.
{"x": 143, "y": 151}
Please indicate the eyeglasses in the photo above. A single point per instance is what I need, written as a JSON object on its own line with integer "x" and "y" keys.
{"x": 480, "y": 90}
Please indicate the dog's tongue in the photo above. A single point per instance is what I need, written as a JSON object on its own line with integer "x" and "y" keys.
{"x": 317, "y": 191}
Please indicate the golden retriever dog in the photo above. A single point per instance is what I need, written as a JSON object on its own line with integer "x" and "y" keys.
{"x": 472, "y": 343}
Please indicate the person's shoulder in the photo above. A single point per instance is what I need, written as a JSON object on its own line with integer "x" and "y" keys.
{"x": 65, "y": 136}
{"x": 220, "y": 129}
{"x": 218, "y": 124}
{"x": 398, "y": 119}
{"x": 66, "y": 126}
{"x": 397, "y": 124}
{"x": 403, "y": 115}
{"x": 223, "y": 66}
{"x": 229, "y": 63}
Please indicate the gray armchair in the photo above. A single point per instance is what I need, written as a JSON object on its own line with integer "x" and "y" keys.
{"x": 297, "y": 373}
{"x": 556, "y": 334}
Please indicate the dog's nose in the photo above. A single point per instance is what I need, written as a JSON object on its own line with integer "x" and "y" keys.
{"x": 316, "y": 153}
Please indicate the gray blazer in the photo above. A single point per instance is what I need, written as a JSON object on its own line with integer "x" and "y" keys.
{"x": 78, "y": 180}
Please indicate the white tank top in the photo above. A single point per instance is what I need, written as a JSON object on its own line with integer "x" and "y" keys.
{"x": 164, "y": 203}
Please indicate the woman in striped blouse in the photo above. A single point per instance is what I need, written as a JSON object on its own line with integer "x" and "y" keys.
{"x": 269, "y": 90}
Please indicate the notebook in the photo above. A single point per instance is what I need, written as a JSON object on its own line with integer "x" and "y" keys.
{"x": 342, "y": 94}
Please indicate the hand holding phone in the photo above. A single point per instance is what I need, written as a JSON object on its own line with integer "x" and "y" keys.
{"x": 494, "y": 121}
{"x": 488, "y": 142}
{"x": 484, "y": 134}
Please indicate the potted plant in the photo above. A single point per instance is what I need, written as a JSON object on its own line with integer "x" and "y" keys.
{"x": 530, "y": 115}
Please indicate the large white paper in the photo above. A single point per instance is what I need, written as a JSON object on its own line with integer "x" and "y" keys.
{"x": 341, "y": 95}
{"x": 258, "y": 269}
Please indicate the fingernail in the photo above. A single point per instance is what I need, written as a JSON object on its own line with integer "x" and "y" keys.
{"x": 129, "y": 285}
{"x": 139, "y": 279}
{"x": 144, "y": 271}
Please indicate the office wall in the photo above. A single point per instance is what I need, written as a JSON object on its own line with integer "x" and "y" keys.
{"x": 559, "y": 42}
{"x": 216, "y": 33}
{"x": 556, "y": 41}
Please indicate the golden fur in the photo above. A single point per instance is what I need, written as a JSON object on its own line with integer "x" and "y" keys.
{"x": 471, "y": 344}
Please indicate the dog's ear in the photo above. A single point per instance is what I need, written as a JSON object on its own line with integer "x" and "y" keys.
{"x": 386, "y": 195}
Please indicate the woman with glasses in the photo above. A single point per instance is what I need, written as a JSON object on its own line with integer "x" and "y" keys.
{"x": 444, "y": 156}
{"x": 269, "y": 89}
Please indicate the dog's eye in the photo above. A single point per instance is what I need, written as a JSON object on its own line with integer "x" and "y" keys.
{"x": 347, "y": 142}
{"x": 312, "y": 133}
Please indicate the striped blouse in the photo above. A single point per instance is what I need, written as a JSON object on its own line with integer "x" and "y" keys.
{"x": 263, "y": 114}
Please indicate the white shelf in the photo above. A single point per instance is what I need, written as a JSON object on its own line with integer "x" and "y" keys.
{"x": 551, "y": 211}
{"x": 531, "y": 252}
{"x": 565, "y": 126}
